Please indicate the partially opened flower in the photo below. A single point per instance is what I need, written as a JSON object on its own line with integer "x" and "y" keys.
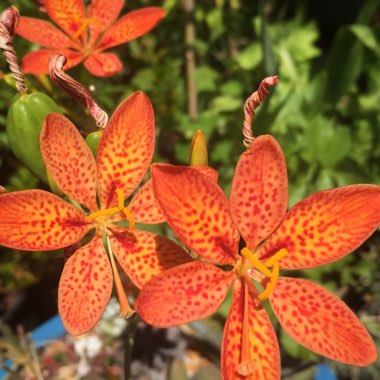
{"x": 323, "y": 228}
{"x": 38, "y": 220}
{"x": 86, "y": 33}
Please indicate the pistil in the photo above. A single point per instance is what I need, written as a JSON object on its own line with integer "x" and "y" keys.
{"x": 264, "y": 269}
{"x": 125, "y": 309}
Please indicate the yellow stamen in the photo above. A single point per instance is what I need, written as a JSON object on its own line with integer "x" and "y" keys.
{"x": 85, "y": 23}
{"x": 272, "y": 283}
{"x": 263, "y": 268}
{"x": 130, "y": 219}
{"x": 276, "y": 257}
{"x": 256, "y": 262}
{"x": 125, "y": 309}
{"x": 106, "y": 212}
{"x": 114, "y": 210}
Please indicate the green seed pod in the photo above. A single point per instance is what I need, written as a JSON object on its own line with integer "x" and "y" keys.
{"x": 93, "y": 139}
{"x": 24, "y": 123}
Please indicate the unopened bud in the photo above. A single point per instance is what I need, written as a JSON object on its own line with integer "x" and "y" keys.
{"x": 198, "y": 150}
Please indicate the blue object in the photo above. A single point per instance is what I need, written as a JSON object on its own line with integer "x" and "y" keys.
{"x": 43, "y": 334}
{"x": 324, "y": 372}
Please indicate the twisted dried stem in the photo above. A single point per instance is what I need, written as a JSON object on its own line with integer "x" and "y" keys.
{"x": 75, "y": 89}
{"x": 8, "y": 22}
{"x": 252, "y": 103}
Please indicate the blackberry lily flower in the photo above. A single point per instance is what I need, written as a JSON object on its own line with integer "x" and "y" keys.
{"x": 321, "y": 229}
{"x": 36, "y": 220}
{"x": 86, "y": 33}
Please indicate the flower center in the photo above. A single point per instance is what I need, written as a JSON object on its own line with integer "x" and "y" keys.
{"x": 108, "y": 212}
{"x": 263, "y": 268}
{"x": 85, "y": 23}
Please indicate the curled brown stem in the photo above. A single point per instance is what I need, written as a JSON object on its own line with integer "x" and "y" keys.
{"x": 252, "y": 103}
{"x": 8, "y": 23}
{"x": 75, "y": 89}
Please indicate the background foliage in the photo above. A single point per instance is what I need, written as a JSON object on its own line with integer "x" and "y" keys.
{"x": 324, "y": 112}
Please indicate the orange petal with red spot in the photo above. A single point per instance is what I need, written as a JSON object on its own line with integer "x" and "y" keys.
{"x": 208, "y": 171}
{"x": 126, "y": 148}
{"x": 36, "y": 220}
{"x": 144, "y": 206}
{"x": 259, "y": 193}
{"x": 321, "y": 322}
{"x": 68, "y": 14}
{"x": 85, "y": 288}
{"x": 104, "y": 13}
{"x": 144, "y": 255}
{"x": 69, "y": 160}
{"x": 133, "y": 25}
{"x": 183, "y": 294}
{"x": 249, "y": 349}
{"x": 43, "y": 33}
{"x": 326, "y": 226}
{"x": 198, "y": 211}
{"x": 37, "y": 62}
{"x": 103, "y": 64}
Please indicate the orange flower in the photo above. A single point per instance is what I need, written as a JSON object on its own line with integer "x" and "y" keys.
{"x": 86, "y": 33}
{"x": 36, "y": 220}
{"x": 320, "y": 229}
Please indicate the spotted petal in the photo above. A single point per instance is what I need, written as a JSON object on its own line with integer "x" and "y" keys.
{"x": 37, "y": 62}
{"x": 69, "y": 160}
{"x": 68, "y": 14}
{"x": 250, "y": 348}
{"x": 197, "y": 210}
{"x": 43, "y": 33}
{"x": 144, "y": 255}
{"x": 133, "y": 25}
{"x": 259, "y": 193}
{"x": 104, "y": 13}
{"x": 321, "y": 322}
{"x": 182, "y": 294}
{"x": 126, "y": 148}
{"x": 103, "y": 64}
{"x": 85, "y": 288}
{"x": 36, "y": 220}
{"x": 144, "y": 206}
{"x": 326, "y": 226}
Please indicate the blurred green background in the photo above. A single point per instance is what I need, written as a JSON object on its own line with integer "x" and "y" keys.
{"x": 198, "y": 66}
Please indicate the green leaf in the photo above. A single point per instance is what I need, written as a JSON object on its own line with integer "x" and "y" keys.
{"x": 205, "y": 79}
{"x": 326, "y": 142}
{"x": 344, "y": 64}
{"x": 250, "y": 57}
{"x": 366, "y": 36}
